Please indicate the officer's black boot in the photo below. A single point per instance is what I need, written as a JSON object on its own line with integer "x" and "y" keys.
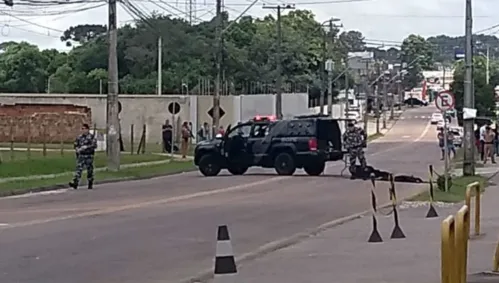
{"x": 90, "y": 185}
{"x": 73, "y": 185}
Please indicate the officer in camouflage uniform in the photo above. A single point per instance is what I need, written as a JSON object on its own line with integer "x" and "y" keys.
{"x": 85, "y": 145}
{"x": 354, "y": 140}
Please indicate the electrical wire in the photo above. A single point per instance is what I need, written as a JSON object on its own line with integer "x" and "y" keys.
{"x": 38, "y": 12}
{"x": 29, "y": 22}
{"x": 487, "y": 29}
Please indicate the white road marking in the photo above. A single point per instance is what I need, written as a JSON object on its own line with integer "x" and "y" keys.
{"x": 406, "y": 137}
{"x": 4, "y": 224}
{"x": 145, "y": 204}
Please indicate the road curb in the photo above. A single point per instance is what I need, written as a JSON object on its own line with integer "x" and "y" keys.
{"x": 66, "y": 186}
{"x": 268, "y": 248}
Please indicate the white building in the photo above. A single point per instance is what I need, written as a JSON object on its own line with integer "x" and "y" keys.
{"x": 440, "y": 79}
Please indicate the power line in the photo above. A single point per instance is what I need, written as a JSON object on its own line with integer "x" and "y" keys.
{"x": 407, "y": 16}
{"x": 487, "y": 29}
{"x": 7, "y": 27}
{"x": 29, "y": 22}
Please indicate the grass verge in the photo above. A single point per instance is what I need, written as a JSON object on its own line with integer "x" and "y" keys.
{"x": 55, "y": 163}
{"x": 24, "y": 186}
{"x": 456, "y": 193}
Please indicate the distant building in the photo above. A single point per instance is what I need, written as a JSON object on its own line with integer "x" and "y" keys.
{"x": 438, "y": 80}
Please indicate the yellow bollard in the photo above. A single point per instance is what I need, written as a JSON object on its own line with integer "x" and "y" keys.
{"x": 448, "y": 267}
{"x": 496, "y": 260}
{"x": 461, "y": 243}
{"x": 476, "y": 188}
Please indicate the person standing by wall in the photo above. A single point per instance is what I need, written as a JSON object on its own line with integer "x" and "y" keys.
{"x": 85, "y": 145}
{"x": 167, "y": 130}
{"x": 482, "y": 140}
{"x": 489, "y": 138}
{"x": 186, "y": 135}
{"x": 204, "y": 132}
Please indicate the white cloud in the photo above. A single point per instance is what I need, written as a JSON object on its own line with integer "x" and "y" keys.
{"x": 390, "y": 20}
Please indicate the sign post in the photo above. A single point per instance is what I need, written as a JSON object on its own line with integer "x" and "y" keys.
{"x": 445, "y": 101}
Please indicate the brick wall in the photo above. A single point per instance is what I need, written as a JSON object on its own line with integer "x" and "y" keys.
{"x": 50, "y": 123}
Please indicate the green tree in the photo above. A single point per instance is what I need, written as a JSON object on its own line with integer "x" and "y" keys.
{"x": 188, "y": 56}
{"x": 22, "y": 69}
{"x": 82, "y": 33}
{"x": 484, "y": 93}
{"x": 418, "y": 53}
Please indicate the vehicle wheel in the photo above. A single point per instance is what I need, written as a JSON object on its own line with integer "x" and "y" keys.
{"x": 284, "y": 164}
{"x": 315, "y": 169}
{"x": 237, "y": 169}
{"x": 209, "y": 166}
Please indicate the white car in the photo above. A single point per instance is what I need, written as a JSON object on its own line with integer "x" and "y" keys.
{"x": 436, "y": 118}
{"x": 353, "y": 115}
{"x": 457, "y": 132}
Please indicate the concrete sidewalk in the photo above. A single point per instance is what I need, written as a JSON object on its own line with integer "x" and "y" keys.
{"x": 342, "y": 254}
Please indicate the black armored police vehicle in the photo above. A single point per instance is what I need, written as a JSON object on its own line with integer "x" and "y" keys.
{"x": 306, "y": 142}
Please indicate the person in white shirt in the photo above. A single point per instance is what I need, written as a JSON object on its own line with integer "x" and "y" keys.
{"x": 482, "y": 140}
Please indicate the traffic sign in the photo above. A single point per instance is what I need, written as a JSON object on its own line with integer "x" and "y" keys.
{"x": 445, "y": 100}
{"x": 221, "y": 112}
{"x": 174, "y": 108}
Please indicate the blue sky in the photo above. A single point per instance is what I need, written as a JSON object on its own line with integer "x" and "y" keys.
{"x": 382, "y": 20}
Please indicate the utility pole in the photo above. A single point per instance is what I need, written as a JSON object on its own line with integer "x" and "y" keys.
{"x": 469, "y": 156}
{"x": 216, "y": 96}
{"x": 191, "y": 10}
{"x": 399, "y": 92}
{"x": 113, "y": 146}
{"x": 330, "y": 74}
{"x": 347, "y": 94}
{"x": 487, "y": 68}
{"x": 322, "y": 98}
{"x": 160, "y": 66}
{"x": 278, "y": 98}
{"x": 392, "y": 102}
{"x": 367, "y": 92}
{"x": 443, "y": 78}
{"x": 385, "y": 99}
{"x": 376, "y": 100}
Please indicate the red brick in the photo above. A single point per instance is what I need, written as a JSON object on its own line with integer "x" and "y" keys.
{"x": 50, "y": 123}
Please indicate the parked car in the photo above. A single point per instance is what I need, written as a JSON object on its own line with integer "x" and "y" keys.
{"x": 436, "y": 118}
{"x": 458, "y": 136}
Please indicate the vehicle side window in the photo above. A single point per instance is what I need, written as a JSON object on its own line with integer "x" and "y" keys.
{"x": 242, "y": 130}
{"x": 260, "y": 130}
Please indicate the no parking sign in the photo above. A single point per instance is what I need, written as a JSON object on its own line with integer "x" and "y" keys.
{"x": 445, "y": 101}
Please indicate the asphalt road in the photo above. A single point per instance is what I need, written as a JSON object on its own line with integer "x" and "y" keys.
{"x": 163, "y": 229}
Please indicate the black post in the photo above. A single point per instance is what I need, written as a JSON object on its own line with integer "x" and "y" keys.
{"x": 375, "y": 236}
{"x": 432, "y": 212}
{"x": 397, "y": 231}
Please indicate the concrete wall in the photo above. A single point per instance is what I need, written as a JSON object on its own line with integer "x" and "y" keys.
{"x": 152, "y": 110}
{"x": 136, "y": 109}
